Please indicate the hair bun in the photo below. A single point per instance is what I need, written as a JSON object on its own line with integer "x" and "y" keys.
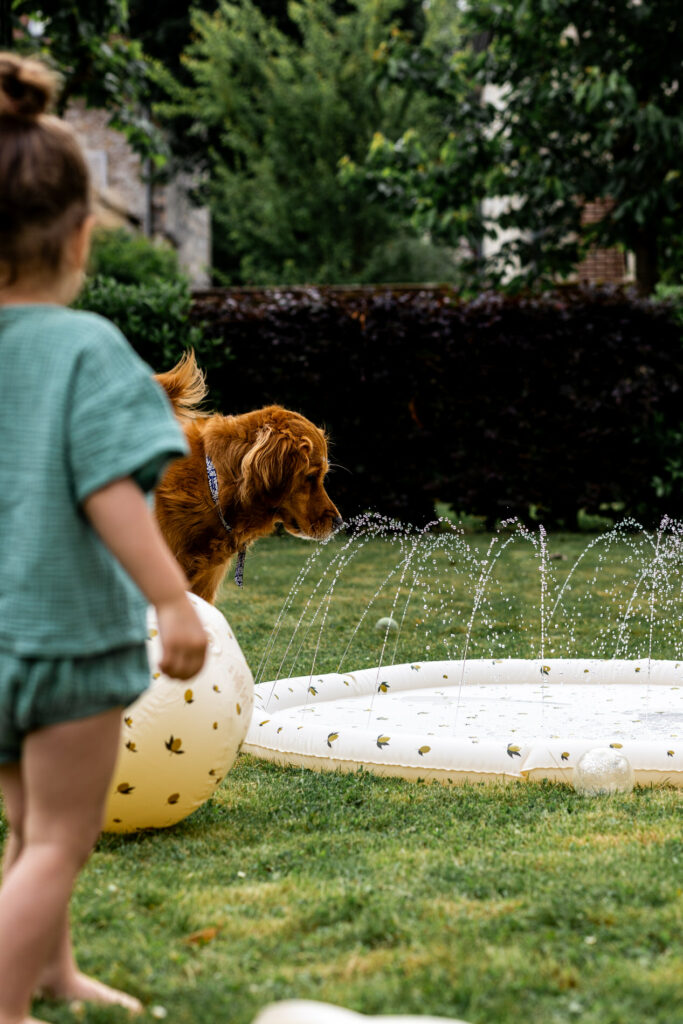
{"x": 27, "y": 86}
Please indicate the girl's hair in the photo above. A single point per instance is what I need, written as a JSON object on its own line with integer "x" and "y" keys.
{"x": 44, "y": 180}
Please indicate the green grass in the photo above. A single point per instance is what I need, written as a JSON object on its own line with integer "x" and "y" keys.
{"x": 493, "y": 904}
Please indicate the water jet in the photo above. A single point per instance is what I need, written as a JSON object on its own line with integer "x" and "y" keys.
{"x": 480, "y": 712}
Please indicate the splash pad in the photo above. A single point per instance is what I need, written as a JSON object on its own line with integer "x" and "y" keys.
{"x": 617, "y": 683}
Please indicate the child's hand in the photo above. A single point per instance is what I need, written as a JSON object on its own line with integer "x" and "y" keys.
{"x": 183, "y": 640}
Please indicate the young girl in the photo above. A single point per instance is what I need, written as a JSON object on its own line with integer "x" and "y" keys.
{"x": 84, "y": 432}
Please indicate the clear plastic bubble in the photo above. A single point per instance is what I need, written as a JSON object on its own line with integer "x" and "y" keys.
{"x": 601, "y": 771}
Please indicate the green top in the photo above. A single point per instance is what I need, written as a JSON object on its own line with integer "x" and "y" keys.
{"x": 78, "y": 410}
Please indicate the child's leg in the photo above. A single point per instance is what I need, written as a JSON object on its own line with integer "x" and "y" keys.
{"x": 13, "y": 798}
{"x": 65, "y": 773}
{"x": 11, "y": 787}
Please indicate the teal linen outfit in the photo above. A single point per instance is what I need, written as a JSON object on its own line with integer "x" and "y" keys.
{"x": 78, "y": 410}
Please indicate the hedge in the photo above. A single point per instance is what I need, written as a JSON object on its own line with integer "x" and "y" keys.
{"x": 567, "y": 401}
{"x": 497, "y": 406}
{"x": 155, "y": 317}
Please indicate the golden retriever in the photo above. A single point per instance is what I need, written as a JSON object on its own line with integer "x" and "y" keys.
{"x": 244, "y": 475}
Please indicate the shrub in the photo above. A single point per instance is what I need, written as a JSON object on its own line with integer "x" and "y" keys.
{"x": 559, "y": 402}
{"x": 131, "y": 259}
{"x": 672, "y": 295}
{"x": 411, "y": 260}
{"x": 155, "y": 318}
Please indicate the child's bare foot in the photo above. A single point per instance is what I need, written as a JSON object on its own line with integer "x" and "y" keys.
{"x": 81, "y": 988}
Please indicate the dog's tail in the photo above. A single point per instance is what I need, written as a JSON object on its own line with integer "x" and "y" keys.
{"x": 185, "y": 386}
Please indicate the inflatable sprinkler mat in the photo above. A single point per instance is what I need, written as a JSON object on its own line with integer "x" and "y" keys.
{"x": 179, "y": 739}
{"x": 478, "y": 720}
{"x": 305, "y": 1011}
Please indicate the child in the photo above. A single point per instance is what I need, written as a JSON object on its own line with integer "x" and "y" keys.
{"x": 84, "y": 431}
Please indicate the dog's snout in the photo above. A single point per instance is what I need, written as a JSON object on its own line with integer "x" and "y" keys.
{"x": 337, "y": 522}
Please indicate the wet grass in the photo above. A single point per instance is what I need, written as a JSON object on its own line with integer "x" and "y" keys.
{"x": 487, "y": 903}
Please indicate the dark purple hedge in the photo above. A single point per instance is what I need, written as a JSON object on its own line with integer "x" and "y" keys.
{"x": 565, "y": 401}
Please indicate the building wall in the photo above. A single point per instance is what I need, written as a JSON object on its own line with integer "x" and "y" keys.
{"x": 123, "y": 198}
{"x": 601, "y": 266}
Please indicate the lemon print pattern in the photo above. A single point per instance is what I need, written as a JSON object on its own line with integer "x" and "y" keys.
{"x": 179, "y": 742}
{"x": 476, "y": 721}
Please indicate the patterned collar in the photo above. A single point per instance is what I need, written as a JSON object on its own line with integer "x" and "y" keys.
{"x": 212, "y": 476}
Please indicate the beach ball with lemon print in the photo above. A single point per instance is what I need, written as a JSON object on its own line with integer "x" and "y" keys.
{"x": 179, "y": 739}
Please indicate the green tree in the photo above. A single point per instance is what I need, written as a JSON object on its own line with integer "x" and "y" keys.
{"x": 277, "y": 111}
{"x": 554, "y": 103}
{"x": 88, "y": 42}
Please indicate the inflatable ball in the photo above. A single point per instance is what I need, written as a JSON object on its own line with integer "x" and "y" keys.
{"x": 305, "y": 1011}
{"x": 179, "y": 739}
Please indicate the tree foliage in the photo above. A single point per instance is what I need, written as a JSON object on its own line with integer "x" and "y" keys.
{"x": 88, "y": 42}
{"x": 277, "y": 110}
{"x": 554, "y": 103}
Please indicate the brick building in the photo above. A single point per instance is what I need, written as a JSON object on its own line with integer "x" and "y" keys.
{"x": 602, "y": 266}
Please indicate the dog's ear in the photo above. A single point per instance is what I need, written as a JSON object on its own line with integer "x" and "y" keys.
{"x": 272, "y": 462}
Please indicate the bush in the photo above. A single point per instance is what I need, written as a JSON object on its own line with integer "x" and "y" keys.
{"x": 672, "y": 295}
{"x": 411, "y": 260}
{"x": 131, "y": 259}
{"x": 155, "y": 318}
{"x": 493, "y": 406}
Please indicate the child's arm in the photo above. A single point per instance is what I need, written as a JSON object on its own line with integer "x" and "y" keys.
{"x": 119, "y": 514}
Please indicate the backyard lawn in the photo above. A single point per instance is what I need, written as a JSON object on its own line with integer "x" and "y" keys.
{"x": 489, "y": 903}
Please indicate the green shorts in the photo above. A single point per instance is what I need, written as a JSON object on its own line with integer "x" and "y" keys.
{"x": 36, "y": 692}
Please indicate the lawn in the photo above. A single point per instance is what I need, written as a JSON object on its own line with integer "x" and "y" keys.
{"x": 492, "y": 904}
